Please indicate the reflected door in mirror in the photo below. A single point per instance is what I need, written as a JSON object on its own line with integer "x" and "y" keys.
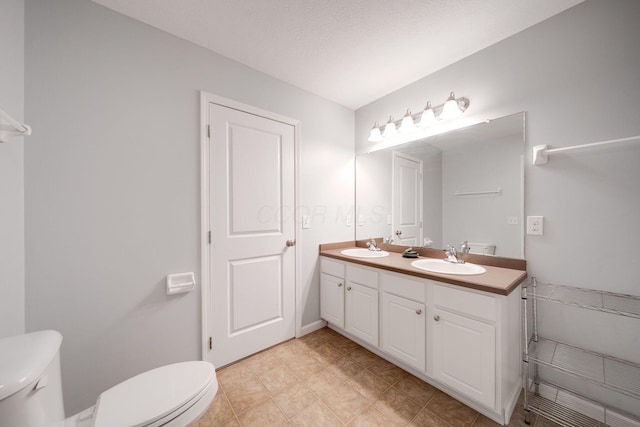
{"x": 407, "y": 200}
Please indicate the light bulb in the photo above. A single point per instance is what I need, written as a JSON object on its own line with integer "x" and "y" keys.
{"x": 407, "y": 124}
{"x": 390, "y": 128}
{"x": 451, "y": 108}
{"x": 428, "y": 116}
{"x": 375, "y": 135}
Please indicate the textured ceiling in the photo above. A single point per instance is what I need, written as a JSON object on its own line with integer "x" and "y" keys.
{"x": 349, "y": 51}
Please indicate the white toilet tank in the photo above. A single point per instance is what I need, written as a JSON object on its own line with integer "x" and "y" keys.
{"x": 482, "y": 248}
{"x": 30, "y": 381}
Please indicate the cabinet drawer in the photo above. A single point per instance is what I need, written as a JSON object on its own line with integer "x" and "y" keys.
{"x": 469, "y": 303}
{"x": 404, "y": 287}
{"x": 334, "y": 268}
{"x": 362, "y": 276}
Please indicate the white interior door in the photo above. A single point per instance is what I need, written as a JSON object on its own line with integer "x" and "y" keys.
{"x": 252, "y": 261}
{"x": 407, "y": 200}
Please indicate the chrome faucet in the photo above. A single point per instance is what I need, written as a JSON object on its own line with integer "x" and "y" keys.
{"x": 372, "y": 245}
{"x": 464, "y": 247}
{"x": 452, "y": 255}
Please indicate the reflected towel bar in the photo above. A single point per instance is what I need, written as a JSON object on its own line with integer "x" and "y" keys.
{"x": 541, "y": 152}
{"x": 475, "y": 193}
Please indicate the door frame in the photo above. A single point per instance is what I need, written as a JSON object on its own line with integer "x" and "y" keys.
{"x": 205, "y": 203}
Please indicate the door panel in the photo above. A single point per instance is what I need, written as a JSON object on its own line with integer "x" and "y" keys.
{"x": 404, "y": 330}
{"x": 362, "y": 312}
{"x": 255, "y": 303}
{"x": 465, "y": 356}
{"x": 332, "y": 299}
{"x": 255, "y": 183}
{"x": 251, "y": 216}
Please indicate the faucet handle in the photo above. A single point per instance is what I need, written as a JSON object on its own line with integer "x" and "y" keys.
{"x": 464, "y": 247}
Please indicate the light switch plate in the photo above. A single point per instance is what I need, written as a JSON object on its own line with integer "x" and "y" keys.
{"x": 306, "y": 221}
{"x": 535, "y": 225}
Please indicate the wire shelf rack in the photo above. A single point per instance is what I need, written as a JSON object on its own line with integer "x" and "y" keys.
{"x": 620, "y": 376}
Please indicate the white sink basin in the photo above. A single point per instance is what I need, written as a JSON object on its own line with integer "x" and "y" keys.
{"x": 443, "y": 267}
{"x": 364, "y": 253}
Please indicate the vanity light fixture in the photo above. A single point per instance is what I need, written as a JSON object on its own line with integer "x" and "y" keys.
{"x": 375, "y": 135}
{"x": 390, "y": 128}
{"x": 452, "y": 107}
{"x": 428, "y": 116}
{"x": 407, "y": 124}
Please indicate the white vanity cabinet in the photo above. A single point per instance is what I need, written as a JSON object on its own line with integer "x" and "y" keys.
{"x": 459, "y": 339}
{"x": 361, "y": 308}
{"x": 349, "y": 298}
{"x": 464, "y": 343}
{"x": 403, "y": 319}
{"x": 332, "y": 291}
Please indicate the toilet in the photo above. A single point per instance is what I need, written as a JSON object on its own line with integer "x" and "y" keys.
{"x": 31, "y": 390}
{"x": 482, "y": 248}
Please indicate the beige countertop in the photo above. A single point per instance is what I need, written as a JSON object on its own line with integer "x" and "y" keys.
{"x": 498, "y": 280}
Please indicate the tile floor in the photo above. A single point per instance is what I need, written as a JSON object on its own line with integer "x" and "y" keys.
{"x": 325, "y": 380}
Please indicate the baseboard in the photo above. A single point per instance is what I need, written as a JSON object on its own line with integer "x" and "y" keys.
{"x": 311, "y": 327}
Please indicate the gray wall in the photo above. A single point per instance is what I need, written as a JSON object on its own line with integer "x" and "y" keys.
{"x": 12, "y": 318}
{"x": 577, "y": 75}
{"x": 112, "y": 186}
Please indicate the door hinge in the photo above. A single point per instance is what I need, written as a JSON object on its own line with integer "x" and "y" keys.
{"x": 208, "y": 131}
{"x": 209, "y": 234}
{"x": 210, "y": 343}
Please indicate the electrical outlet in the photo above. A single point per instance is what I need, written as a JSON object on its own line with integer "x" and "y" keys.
{"x": 535, "y": 225}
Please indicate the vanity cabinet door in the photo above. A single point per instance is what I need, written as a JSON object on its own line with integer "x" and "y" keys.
{"x": 464, "y": 355}
{"x": 332, "y": 299}
{"x": 403, "y": 329}
{"x": 362, "y": 312}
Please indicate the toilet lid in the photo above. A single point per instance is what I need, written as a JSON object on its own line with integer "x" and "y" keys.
{"x": 152, "y": 395}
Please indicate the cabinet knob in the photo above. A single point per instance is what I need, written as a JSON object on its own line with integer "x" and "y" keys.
{"x": 339, "y": 285}
{"x": 418, "y": 311}
{"x": 436, "y": 317}
{"x": 348, "y": 288}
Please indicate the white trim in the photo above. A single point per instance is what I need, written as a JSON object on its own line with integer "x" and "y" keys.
{"x": 204, "y": 222}
{"x": 311, "y": 327}
{"x": 205, "y": 250}
{"x": 298, "y": 228}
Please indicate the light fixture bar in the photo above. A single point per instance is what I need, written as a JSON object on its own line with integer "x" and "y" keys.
{"x": 394, "y": 125}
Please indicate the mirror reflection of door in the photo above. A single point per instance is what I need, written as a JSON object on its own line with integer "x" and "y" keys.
{"x": 406, "y": 214}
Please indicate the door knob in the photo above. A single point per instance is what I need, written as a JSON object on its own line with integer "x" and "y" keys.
{"x": 436, "y": 317}
{"x": 348, "y": 288}
{"x": 291, "y": 243}
{"x": 398, "y": 233}
{"x": 418, "y": 311}
{"x": 339, "y": 285}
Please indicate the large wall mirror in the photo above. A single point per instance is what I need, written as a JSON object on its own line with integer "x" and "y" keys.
{"x": 465, "y": 185}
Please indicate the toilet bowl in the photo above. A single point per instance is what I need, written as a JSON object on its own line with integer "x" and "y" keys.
{"x": 31, "y": 390}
